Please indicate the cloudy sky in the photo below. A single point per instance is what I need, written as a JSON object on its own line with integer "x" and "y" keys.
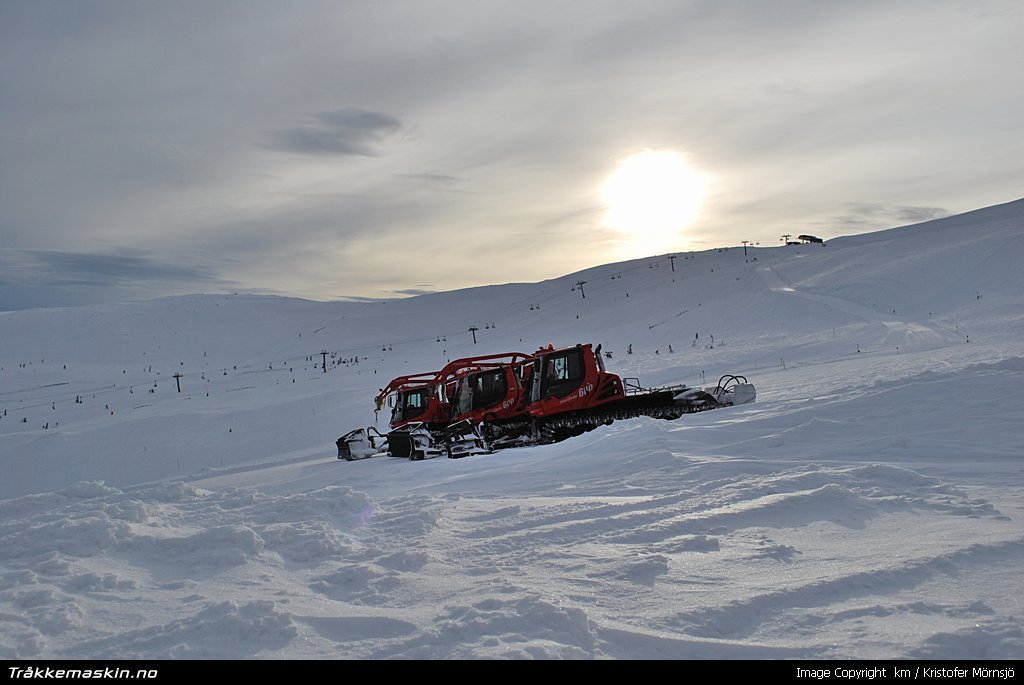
{"x": 366, "y": 149}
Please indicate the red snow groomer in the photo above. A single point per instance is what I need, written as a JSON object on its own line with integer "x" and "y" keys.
{"x": 482, "y": 404}
{"x": 424, "y": 405}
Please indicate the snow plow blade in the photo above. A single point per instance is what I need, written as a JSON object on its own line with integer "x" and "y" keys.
{"x": 462, "y": 439}
{"x": 359, "y": 444}
{"x": 415, "y": 442}
{"x": 731, "y": 390}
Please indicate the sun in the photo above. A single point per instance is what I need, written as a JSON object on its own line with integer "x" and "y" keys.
{"x": 651, "y": 197}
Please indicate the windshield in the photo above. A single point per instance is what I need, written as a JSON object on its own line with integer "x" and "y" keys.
{"x": 489, "y": 388}
{"x": 563, "y": 372}
{"x": 482, "y": 390}
{"x": 409, "y": 405}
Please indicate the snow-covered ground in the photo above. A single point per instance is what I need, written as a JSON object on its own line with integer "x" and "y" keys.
{"x": 868, "y": 505}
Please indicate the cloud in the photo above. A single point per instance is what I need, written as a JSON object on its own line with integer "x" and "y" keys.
{"x": 867, "y": 215}
{"x": 62, "y": 268}
{"x": 430, "y": 178}
{"x": 48, "y": 278}
{"x": 348, "y": 131}
{"x": 413, "y": 291}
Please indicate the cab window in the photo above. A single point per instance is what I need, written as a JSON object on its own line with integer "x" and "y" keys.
{"x": 413, "y": 404}
{"x": 489, "y": 388}
{"x": 562, "y": 373}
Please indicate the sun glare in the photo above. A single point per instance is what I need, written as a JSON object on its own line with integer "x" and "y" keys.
{"x": 651, "y": 197}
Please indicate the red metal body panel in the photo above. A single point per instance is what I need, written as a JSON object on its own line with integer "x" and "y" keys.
{"x": 571, "y": 379}
{"x": 427, "y": 397}
{"x": 491, "y": 394}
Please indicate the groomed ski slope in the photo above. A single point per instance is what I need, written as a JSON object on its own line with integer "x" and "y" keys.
{"x": 868, "y": 505}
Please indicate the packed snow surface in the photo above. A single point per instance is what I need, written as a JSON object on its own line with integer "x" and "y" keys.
{"x": 868, "y": 505}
